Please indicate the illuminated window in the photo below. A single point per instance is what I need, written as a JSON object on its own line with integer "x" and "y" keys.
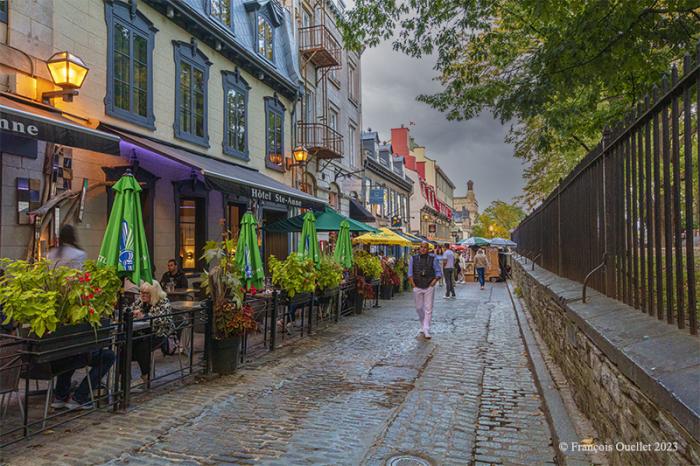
{"x": 191, "y": 221}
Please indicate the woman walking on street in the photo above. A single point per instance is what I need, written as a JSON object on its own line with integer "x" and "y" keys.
{"x": 481, "y": 263}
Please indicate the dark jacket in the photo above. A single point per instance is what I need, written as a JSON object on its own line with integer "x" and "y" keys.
{"x": 179, "y": 278}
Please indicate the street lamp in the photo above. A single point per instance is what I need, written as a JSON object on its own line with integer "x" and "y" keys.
{"x": 491, "y": 229}
{"x": 300, "y": 154}
{"x": 67, "y": 72}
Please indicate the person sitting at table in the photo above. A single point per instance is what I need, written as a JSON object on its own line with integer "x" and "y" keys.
{"x": 154, "y": 308}
{"x": 100, "y": 361}
{"x": 174, "y": 275}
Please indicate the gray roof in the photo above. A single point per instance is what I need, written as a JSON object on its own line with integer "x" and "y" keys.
{"x": 245, "y": 33}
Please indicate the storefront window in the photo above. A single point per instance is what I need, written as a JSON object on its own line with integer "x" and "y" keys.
{"x": 129, "y": 65}
{"x": 234, "y": 220}
{"x": 191, "y": 222}
{"x": 192, "y": 76}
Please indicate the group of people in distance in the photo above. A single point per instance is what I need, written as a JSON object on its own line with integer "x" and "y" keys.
{"x": 426, "y": 269}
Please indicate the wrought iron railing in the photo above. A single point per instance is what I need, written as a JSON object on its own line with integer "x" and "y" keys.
{"x": 633, "y": 200}
{"x": 321, "y": 140}
{"x": 318, "y": 44}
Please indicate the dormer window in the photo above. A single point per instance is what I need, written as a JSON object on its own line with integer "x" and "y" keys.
{"x": 221, "y": 10}
{"x": 265, "y": 38}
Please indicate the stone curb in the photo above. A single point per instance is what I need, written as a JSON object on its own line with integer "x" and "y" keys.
{"x": 562, "y": 427}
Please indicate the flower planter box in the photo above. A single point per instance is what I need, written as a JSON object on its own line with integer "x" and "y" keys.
{"x": 66, "y": 341}
{"x": 386, "y": 291}
{"x": 225, "y": 355}
{"x": 327, "y": 294}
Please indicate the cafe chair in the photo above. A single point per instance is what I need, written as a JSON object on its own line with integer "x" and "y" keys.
{"x": 10, "y": 369}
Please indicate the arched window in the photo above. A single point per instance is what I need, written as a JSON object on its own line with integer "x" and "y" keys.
{"x": 308, "y": 184}
{"x": 334, "y": 196}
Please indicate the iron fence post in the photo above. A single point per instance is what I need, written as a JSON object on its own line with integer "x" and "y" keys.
{"x": 273, "y": 325}
{"x": 208, "y": 330}
{"x": 126, "y": 362}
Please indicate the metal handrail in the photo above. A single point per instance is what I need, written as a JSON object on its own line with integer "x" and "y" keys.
{"x": 534, "y": 259}
{"x": 590, "y": 274}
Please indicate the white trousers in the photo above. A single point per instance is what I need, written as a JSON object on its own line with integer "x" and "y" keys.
{"x": 424, "y": 298}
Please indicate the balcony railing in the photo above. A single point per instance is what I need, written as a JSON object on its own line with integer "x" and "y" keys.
{"x": 320, "y": 140}
{"x": 319, "y": 46}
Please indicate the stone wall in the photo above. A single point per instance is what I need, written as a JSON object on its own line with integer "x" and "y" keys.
{"x": 627, "y": 400}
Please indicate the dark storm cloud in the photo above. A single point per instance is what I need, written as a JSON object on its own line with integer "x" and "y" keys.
{"x": 465, "y": 150}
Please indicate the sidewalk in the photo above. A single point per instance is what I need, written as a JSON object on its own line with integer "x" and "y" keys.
{"x": 360, "y": 392}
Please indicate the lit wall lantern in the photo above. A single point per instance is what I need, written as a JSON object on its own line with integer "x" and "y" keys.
{"x": 299, "y": 157}
{"x": 67, "y": 72}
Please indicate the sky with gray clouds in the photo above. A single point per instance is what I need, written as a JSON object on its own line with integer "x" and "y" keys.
{"x": 465, "y": 150}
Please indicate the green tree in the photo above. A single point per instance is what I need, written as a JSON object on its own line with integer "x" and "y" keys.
{"x": 562, "y": 69}
{"x": 498, "y": 220}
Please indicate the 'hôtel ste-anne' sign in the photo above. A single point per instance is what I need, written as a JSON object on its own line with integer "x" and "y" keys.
{"x": 265, "y": 195}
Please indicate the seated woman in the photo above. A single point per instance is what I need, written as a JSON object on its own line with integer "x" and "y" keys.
{"x": 152, "y": 303}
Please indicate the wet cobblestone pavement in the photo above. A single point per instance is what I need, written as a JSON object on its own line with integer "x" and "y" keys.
{"x": 360, "y": 392}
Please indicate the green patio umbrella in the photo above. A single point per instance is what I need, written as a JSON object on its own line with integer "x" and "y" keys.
{"x": 248, "y": 255}
{"x": 326, "y": 220}
{"x": 308, "y": 242}
{"x": 343, "y": 246}
{"x": 124, "y": 244}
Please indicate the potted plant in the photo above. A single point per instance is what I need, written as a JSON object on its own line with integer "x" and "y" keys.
{"x": 231, "y": 317}
{"x": 329, "y": 276}
{"x": 368, "y": 271}
{"x": 54, "y": 304}
{"x": 296, "y": 276}
{"x": 389, "y": 279}
{"x": 401, "y": 269}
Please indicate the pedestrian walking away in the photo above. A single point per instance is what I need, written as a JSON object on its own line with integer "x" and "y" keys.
{"x": 423, "y": 273}
{"x": 481, "y": 263}
{"x": 448, "y": 262}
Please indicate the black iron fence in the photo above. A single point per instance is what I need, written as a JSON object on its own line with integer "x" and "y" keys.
{"x": 626, "y": 218}
{"x": 130, "y": 355}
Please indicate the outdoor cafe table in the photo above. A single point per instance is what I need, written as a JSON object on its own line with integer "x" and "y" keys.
{"x": 180, "y": 294}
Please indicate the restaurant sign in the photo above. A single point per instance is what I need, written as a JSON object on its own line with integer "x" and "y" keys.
{"x": 376, "y": 196}
{"x": 271, "y": 196}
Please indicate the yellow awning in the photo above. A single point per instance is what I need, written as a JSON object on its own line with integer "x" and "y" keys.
{"x": 383, "y": 237}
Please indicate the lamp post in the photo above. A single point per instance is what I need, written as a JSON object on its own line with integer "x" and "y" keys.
{"x": 67, "y": 72}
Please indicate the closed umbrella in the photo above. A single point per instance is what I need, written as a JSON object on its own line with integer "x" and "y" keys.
{"x": 343, "y": 246}
{"x": 308, "y": 243}
{"x": 124, "y": 244}
{"x": 248, "y": 254}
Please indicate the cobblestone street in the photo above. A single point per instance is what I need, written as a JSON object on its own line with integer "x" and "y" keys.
{"x": 359, "y": 392}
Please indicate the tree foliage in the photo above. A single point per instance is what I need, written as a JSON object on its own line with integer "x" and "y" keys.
{"x": 497, "y": 220}
{"x": 562, "y": 69}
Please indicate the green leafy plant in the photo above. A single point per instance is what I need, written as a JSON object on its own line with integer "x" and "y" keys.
{"x": 294, "y": 275}
{"x": 223, "y": 286}
{"x": 44, "y": 296}
{"x": 401, "y": 269}
{"x": 368, "y": 265}
{"x": 330, "y": 273}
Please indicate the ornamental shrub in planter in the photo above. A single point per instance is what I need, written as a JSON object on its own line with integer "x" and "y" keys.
{"x": 232, "y": 317}
{"x": 329, "y": 276}
{"x": 294, "y": 275}
{"x": 368, "y": 265}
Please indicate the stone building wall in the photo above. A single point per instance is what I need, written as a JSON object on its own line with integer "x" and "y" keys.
{"x": 620, "y": 410}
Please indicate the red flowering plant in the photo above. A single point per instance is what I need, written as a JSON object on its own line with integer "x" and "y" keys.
{"x": 44, "y": 296}
{"x": 223, "y": 285}
{"x": 389, "y": 275}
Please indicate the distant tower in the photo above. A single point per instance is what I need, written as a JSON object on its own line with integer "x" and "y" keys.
{"x": 471, "y": 203}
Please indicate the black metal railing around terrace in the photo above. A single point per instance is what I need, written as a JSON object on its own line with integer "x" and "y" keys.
{"x": 632, "y": 203}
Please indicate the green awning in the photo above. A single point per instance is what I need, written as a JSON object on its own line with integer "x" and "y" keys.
{"x": 326, "y": 220}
